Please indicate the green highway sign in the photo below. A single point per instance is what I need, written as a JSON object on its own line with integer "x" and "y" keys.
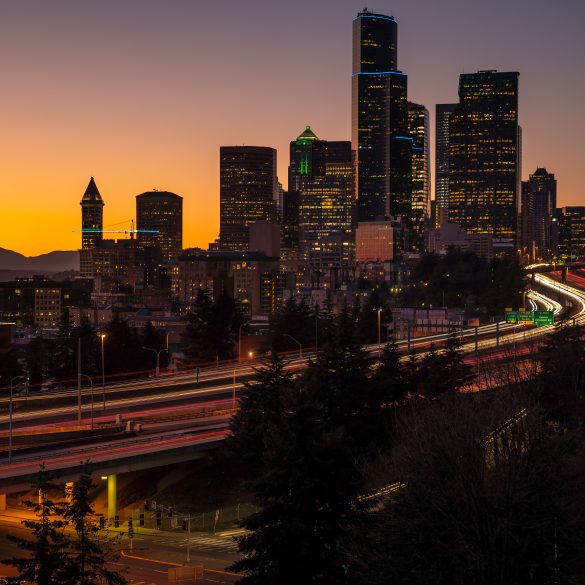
{"x": 538, "y": 318}
{"x": 544, "y": 318}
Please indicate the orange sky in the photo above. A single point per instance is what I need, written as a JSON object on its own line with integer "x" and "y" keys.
{"x": 141, "y": 94}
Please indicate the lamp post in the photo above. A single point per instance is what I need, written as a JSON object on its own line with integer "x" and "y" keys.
{"x": 379, "y": 311}
{"x": 297, "y": 342}
{"x": 91, "y": 392}
{"x": 10, "y": 420}
{"x": 157, "y": 352}
{"x": 103, "y": 336}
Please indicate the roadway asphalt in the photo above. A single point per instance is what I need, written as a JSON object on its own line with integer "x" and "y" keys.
{"x": 152, "y": 555}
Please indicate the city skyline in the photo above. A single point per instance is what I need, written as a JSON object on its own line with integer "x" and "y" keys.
{"x": 155, "y": 126}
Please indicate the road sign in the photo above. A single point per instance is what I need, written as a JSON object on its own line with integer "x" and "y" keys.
{"x": 544, "y": 318}
{"x": 520, "y": 317}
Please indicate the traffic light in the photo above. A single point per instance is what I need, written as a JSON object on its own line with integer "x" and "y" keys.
{"x": 141, "y": 520}
{"x": 116, "y": 521}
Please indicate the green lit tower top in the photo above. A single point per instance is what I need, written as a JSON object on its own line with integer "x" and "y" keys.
{"x": 301, "y": 158}
{"x": 92, "y": 216}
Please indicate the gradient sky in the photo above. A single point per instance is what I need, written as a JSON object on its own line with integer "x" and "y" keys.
{"x": 141, "y": 93}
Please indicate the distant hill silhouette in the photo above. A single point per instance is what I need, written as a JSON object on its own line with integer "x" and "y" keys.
{"x": 58, "y": 261}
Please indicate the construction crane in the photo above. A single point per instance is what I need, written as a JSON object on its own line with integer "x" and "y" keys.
{"x": 131, "y": 231}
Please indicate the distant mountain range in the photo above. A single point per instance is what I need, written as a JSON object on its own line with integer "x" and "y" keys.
{"x": 58, "y": 261}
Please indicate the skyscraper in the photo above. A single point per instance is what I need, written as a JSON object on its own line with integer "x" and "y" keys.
{"x": 484, "y": 156}
{"x": 418, "y": 127}
{"x": 379, "y": 120}
{"x": 248, "y": 192}
{"x": 92, "y": 216}
{"x": 322, "y": 174}
{"x": 572, "y": 232}
{"x": 160, "y": 212}
{"x": 539, "y": 201}
{"x": 442, "y": 116}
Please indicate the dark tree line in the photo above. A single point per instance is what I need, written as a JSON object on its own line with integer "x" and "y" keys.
{"x": 486, "y": 490}
{"x": 462, "y": 279}
{"x": 213, "y": 328}
{"x": 64, "y": 547}
{"x": 55, "y": 360}
{"x": 307, "y": 442}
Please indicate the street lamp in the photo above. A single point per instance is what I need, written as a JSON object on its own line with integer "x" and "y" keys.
{"x": 103, "y": 336}
{"x": 157, "y": 352}
{"x": 379, "y": 311}
{"x": 10, "y": 420}
{"x": 296, "y": 341}
{"x": 91, "y": 392}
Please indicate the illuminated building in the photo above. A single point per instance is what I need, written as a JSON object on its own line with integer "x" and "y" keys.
{"x": 248, "y": 192}
{"x": 374, "y": 241}
{"x": 418, "y": 217}
{"x": 442, "y": 116}
{"x": 162, "y": 212}
{"x": 572, "y": 232}
{"x": 47, "y": 307}
{"x": 92, "y": 216}
{"x": 539, "y": 200}
{"x": 290, "y": 221}
{"x": 450, "y": 235}
{"x": 380, "y": 136}
{"x": 484, "y": 156}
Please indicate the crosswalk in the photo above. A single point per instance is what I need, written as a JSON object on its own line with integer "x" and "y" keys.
{"x": 199, "y": 542}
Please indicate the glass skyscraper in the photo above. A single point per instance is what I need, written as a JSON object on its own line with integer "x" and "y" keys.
{"x": 418, "y": 127}
{"x": 322, "y": 173}
{"x": 442, "y": 116}
{"x": 484, "y": 156}
{"x": 162, "y": 212}
{"x": 380, "y": 136}
{"x": 248, "y": 192}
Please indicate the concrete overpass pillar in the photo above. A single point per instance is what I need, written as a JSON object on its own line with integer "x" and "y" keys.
{"x": 112, "y": 496}
{"x": 2, "y": 502}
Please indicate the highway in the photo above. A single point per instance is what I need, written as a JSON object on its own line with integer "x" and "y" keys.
{"x": 177, "y": 413}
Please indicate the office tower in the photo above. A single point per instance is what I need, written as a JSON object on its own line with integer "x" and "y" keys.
{"x": 484, "y": 156}
{"x": 92, "y": 216}
{"x": 290, "y": 221}
{"x": 321, "y": 173}
{"x": 539, "y": 200}
{"x": 418, "y": 218}
{"x": 160, "y": 212}
{"x": 248, "y": 192}
{"x": 442, "y": 116}
{"x": 572, "y": 232}
{"x": 379, "y": 120}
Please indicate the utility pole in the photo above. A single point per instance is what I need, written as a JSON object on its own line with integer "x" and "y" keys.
{"x": 79, "y": 379}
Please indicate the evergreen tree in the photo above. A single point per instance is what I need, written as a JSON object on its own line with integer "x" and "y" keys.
{"x": 153, "y": 338}
{"x": 122, "y": 349}
{"x": 46, "y": 561}
{"x": 293, "y": 320}
{"x": 90, "y": 556}
{"x": 38, "y": 358}
{"x": 212, "y": 331}
{"x": 10, "y": 368}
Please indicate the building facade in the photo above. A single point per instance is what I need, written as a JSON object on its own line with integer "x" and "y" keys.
{"x": 420, "y": 211}
{"x": 248, "y": 192}
{"x": 484, "y": 156}
{"x": 92, "y": 216}
{"x": 380, "y": 139}
{"x": 159, "y": 220}
{"x": 572, "y": 232}
{"x": 539, "y": 227}
{"x": 442, "y": 121}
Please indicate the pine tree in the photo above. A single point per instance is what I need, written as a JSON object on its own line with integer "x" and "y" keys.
{"x": 90, "y": 556}
{"x": 47, "y": 561}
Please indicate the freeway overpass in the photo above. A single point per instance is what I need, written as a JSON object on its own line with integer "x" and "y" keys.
{"x": 173, "y": 429}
